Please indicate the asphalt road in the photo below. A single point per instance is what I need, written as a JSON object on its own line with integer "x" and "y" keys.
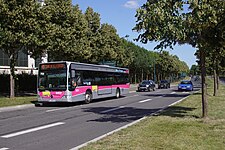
{"x": 62, "y": 127}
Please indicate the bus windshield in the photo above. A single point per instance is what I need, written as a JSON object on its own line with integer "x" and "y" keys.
{"x": 52, "y": 80}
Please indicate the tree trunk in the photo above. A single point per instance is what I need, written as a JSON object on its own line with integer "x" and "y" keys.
{"x": 135, "y": 78}
{"x": 12, "y": 86}
{"x": 217, "y": 72}
{"x": 12, "y": 75}
{"x": 203, "y": 75}
{"x": 215, "y": 82}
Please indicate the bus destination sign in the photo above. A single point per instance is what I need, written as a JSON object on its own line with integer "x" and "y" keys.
{"x": 52, "y": 66}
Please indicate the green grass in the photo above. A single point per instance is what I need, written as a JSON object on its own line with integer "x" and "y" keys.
{"x": 4, "y": 101}
{"x": 178, "y": 127}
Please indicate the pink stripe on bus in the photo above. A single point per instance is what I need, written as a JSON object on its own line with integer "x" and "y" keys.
{"x": 80, "y": 90}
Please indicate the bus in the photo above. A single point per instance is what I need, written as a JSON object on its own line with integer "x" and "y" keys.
{"x": 64, "y": 81}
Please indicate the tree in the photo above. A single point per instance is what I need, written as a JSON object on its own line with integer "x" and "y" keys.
{"x": 93, "y": 23}
{"x": 17, "y": 23}
{"x": 194, "y": 70}
{"x": 109, "y": 44}
{"x": 167, "y": 22}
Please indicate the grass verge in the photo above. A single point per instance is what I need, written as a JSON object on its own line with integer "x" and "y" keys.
{"x": 178, "y": 127}
{"x": 17, "y": 101}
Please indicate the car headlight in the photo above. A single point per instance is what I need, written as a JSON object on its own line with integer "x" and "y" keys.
{"x": 188, "y": 86}
{"x": 147, "y": 85}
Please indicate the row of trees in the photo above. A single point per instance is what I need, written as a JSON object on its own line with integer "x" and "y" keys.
{"x": 200, "y": 23}
{"x": 63, "y": 32}
{"x": 153, "y": 65}
{"x": 57, "y": 29}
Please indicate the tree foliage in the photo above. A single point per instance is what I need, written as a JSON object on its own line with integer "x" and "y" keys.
{"x": 18, "y": 24}
{"x": 199, "y": 23}
{"x": 62, "y": 32}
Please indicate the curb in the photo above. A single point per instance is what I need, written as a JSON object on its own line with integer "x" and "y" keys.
{"x": 17, "y": 107}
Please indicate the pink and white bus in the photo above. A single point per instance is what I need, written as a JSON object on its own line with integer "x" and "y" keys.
{"x": 65, "y": 81}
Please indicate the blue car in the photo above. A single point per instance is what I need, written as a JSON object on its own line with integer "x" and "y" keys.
{"x": 185, "y": 85}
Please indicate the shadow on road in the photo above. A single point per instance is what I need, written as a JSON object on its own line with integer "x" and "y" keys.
{"x": 129, "y": 114}
{"x": 126, "y": 114}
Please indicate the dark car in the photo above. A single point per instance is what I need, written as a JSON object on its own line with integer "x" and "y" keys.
{"x": 164, "y": 84}
{"x": 185, "y": 85}
{"x": 146, "y": 85}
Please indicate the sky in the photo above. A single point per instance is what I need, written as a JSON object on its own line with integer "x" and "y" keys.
{"x": 121, "y": 14}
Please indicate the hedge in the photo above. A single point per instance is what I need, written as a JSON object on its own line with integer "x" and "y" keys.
{"x": 23, "y": 83}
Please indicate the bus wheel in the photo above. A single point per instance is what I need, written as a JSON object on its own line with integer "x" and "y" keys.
{"x": 117, "y": 93}
{"x": 88, "y": 97}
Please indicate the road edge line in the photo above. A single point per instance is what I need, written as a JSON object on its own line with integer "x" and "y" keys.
{"x": 107, "y": 134}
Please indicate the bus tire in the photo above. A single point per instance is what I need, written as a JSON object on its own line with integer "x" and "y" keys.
{"x": 118, "y": 93}
{"x": 88, "y": 97}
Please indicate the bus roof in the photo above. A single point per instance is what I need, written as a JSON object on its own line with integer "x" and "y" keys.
{"x": 93, "y": 67}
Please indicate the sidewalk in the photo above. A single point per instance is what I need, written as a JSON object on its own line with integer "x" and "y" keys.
{"x": 17, "y": 107}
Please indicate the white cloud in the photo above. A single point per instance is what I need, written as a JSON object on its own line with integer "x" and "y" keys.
{"x": 132, "y": 4}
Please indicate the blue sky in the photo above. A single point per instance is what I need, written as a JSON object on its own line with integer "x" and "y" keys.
{"x": 121, "y": 14}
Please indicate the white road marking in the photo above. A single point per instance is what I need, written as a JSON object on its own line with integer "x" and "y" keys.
{"x": 113, "y": 109}
{"x": 51, "y": 110}
{"x": 173, "y": 93}
{"x": 126, "y": 97}
{"x": 32, "y": 130}
{"x": 4, "y": 148}
{"x": 146, "y": 100}
{"x": 186, "y": 92}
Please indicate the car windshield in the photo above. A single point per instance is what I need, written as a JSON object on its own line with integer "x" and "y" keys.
{"x": 145, "y": 82}
{"x": 52, "y": 80}
{"x": 185, "y": 82}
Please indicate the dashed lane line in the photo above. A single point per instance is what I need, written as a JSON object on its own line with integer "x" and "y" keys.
{"x": 4, "y": 148}
{"x": 52, "y": 110}
{"x": 32, "y": 130}
{"x": 185, "y": 92}
{"x": 146, "y": 100}
{"x": 113, "y": 109}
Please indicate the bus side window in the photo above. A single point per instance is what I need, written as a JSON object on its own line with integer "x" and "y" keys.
{"x": 78, "y": 78}
{"x": 72, "y": 80}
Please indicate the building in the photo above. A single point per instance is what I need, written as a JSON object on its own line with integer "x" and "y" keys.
{"x": 24, "y": 64}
